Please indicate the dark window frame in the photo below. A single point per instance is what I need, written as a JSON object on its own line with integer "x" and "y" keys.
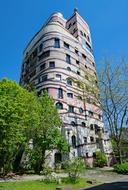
{"x": 52, "y": 64}
{"x": 70, "y": 95}
{"x": 71, "y": 109}
{"x": 60, "y": 93}
{"x": 43, "y": 66}
{"x": 68, "y": 58}
{"x": 69, "y": 82}
{"x": 44, "y": 78}
{"x": 58, "y": 77}
{"x": 73, "y": 141}
{"x": 81, "y": 110}
{"x": 56, "y": 43}
{"x": 66, "y": 45}
{"x": 59, "y": 105}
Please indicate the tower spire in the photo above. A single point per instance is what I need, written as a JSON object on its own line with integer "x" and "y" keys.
{"x": 75, "y": 9}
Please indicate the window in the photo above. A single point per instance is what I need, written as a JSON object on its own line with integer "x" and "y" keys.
{"x": 91, "y": 127}
{"x": 40, "y": 47}
{"x": 44, "y": 55}
{"x": 77, "y": 62}
{"x": 66, "y": 45}
{"x": 84, "y": 35}
{"x": 34, "y": 54}
{"x": 78, "y": 84}
{"x": 100, "y": 117}
{"x": 92, "y": 139}
{"x": 52, "y": 64}
{"x": 94, "y": 155}
{"x": 85, "y": 140}
{"x": 105, "y": 142}
{"x": 88, "y": 47}
{"x": 42, "y": 67}
{"x": 60, "y": 93}
{"x": 59, "y": 105}
{"x": 68, "y": 60}
{"x": 74, "y": 141}
{"x": 69, "y": 82}
{"x": 69, "y": 25}
{"x": 90, "y": 113}
{"x": 57, "y": 43}
{"x": 44, "y": 78}
{"x": 74, "y": 30}
{"x": 68, "y": 68}
{"x": 76, "y": 51}
{"x": 93, "y": 64}
{"x": 97, "y": 129}
{"x": 81, "y": 110}
{"x": 58, "y": 157}
{"x": 83, "y": 124}
{"x": 88, "y": 38}
{"x": 39, "y": 93}
{"x": 81, "y": 33}
{"x": 73, "y": 123}
{"x": 58, "y": 77}
{"x": 83, "y": 44}
{"x": 78, "y": 72}
{"x": 71, "y": 109}
{"x": 84, "y": 56}
{"x": 70, "y": 95}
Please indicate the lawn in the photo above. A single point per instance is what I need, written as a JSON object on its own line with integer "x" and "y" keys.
{"x": 40, "y": 185}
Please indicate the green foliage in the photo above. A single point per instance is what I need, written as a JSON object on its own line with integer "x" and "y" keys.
{"x": 100, "y": 159}
{"x": 121, "y": 168}
{"x": 47, "y": 135}
{"x": 74, "y": 167}
{"x": 25, "y": 117}
{"x": 40, "y": 185}
{"x": 18, "y": 115}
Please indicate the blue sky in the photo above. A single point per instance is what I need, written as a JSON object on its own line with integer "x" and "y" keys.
{"x": 21, "y": 19}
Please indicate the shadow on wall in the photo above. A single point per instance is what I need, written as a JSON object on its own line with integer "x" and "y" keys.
{"x": 111, "y": 186}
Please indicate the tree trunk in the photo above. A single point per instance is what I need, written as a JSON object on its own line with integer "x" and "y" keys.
{"x": 119, "y": 154}
{"x": 39, "y": 163}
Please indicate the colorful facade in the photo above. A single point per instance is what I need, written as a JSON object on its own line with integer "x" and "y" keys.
{"x": 58, "y": 59}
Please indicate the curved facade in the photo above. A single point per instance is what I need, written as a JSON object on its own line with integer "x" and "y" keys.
{"x": 58, "y": 59}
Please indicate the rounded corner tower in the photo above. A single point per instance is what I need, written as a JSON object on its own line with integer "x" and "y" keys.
{"x": 57, "y": 59}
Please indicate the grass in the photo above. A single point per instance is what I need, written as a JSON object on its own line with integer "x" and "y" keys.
{"x": 40, "y": 185}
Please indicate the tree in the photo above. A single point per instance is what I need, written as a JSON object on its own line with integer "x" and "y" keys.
{"x": 74, "y": 167}
{"x": 18, "y": 115}
{"x": 47, "y": 135}
{"x": 108, "y": 92}
{"x": 113, "y": 83}
{"x": 100, "y": 159}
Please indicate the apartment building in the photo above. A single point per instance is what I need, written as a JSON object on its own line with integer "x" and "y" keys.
{"x": 60, "y": 58}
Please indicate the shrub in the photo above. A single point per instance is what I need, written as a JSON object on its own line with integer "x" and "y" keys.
{"x": 74, "y": 167}
{"x": 69, "y": 180}
{"x": 100, "y": 159}
{"x": 121, "y": 168}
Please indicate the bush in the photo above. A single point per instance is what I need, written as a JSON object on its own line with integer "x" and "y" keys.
{"x": 74, "y": 167}
{"x": 121, "y": 168}
{"x": 100, "y": 159}
{"x": 68, "y": 180}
